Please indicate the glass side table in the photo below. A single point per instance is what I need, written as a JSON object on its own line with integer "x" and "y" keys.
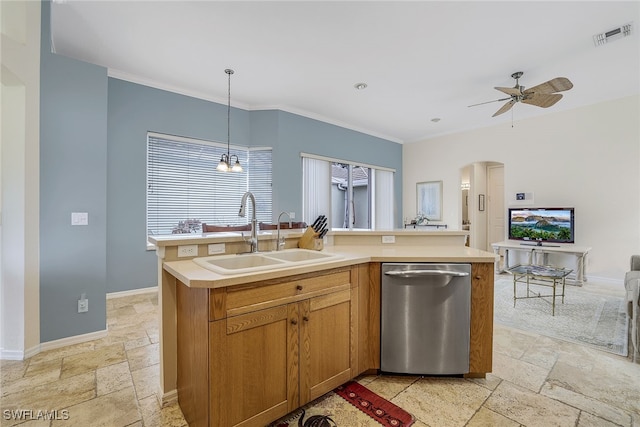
{"x": 539, "y": 275}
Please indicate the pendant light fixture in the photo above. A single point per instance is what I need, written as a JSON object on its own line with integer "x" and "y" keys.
{"x": 226, "y": 158}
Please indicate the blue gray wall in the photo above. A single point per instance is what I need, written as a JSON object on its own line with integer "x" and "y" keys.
{"x": 93, "y": 159}
{"x": 135, "y": 109}
{"x": 73, "y": 178}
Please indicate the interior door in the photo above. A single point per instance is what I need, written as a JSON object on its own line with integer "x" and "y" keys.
{"x": 495, "y": 205}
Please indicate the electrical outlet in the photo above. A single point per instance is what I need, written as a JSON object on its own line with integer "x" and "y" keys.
{"x": 292, "y": 215}
{"x": 216, "y": 248}
{"x": 83, "y": 305}
{"x": 79, "y": 218}
{"x": 187, "y": 250}
{"x": 388, "y": 239}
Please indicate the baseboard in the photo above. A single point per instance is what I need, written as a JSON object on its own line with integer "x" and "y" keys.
{"x": 168, "y": 398}
{"x": 149, "y": 290}
{"x": 11, "y": 354}
{"x": 76, "y": 339}
{"x": 605, "y": 280}
{"x": 50, "y": 345}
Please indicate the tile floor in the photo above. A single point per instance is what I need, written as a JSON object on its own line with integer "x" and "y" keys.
{"x": 537, "y": 381}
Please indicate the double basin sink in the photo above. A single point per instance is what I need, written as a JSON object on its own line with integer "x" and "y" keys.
{"x": 261, "y": 261}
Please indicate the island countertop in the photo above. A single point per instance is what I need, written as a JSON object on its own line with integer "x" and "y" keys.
{"x": 192, "y": 275}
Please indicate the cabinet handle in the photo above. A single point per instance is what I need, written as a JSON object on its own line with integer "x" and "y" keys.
{"x": 478, "y": 277}
{"x": 299, "y": 287}
{"x": 294, "y": 322}
{"x": 305, "y": 318}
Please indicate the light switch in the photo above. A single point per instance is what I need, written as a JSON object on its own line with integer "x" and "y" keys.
{"x": 79, "y": 218}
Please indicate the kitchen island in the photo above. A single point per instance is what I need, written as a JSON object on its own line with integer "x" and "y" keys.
{"x": 245, "y": 349}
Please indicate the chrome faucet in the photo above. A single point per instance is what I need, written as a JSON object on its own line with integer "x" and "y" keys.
{"x": 254, "y": 222}
{"x": 280, "y": 244}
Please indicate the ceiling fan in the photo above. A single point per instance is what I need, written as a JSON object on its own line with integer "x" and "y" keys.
{"x": 542, "y": 95}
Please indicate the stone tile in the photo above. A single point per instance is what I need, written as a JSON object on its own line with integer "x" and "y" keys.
{"x": 366, "y": 379}
{"x": 154, "y": 335}
{"x": 490, "y": 382}
{"x": 541, "y": 356}
{"x": 588, "y": 420}
{"x": 23, "y": 383}
{"x": 510, "y": 342}
{"x": 442, "y": 402}
{"x": 586, "y": 404}
{"x": 153, "y": 415}
{"x": 615, "y": 384}
{"x": 40, "y": 421}
{"x": 121, "y": 334}
{"x": 146, "y": 381}
{"x": 519, "y": 372}
{"x": 145, "y": 307}
{"x": 10, "y": 371}
{"x": 389, "y": 386}
{"x": 142, "y": 357}
{"x": 62, "y": 352}
{"x": 113, "y": 378}
{"x": 119, "y": 408}
{"x": 529, "y": 408}
{"x": 138, "y": 342}
{"x": 485, "y": 417}
{"x": 53, "y": 395}
{"x": 91, "y": 360}
{"x": 43, "y": 368}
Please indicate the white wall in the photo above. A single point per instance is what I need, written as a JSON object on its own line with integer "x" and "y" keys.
{"x": 588, "y": 158}
{"x": 19, "y": 169}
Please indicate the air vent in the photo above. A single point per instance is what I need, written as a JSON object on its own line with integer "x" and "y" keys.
{"x": 613, "y": 34}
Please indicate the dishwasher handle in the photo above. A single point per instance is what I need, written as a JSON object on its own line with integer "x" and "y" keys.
{"x": 422, "y": 273}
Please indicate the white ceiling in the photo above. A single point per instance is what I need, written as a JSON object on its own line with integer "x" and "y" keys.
{"x": 420, "y": 59}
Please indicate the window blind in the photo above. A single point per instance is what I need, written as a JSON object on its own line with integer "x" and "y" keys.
{"x": 383, "y": 200}
{"x": 184, "y": 188}
{"x": 316, "y": 189}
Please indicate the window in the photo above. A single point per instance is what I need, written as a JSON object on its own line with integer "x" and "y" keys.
{"x": 184, "y": 189}
{"x": 351, "y": 195}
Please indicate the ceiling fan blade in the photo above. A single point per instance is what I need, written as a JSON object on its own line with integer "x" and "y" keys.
{"x": 514, "y": 91}
{"x": 543, "y": 100}
{"x": 558, "y": 84}
{"x": 506, "y": 107}
{"x": 489, "y": 102}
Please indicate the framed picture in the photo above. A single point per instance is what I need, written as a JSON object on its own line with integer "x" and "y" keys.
{"x": 429, "y": 200}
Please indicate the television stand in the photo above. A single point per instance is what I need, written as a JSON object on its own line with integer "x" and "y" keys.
{"x": 536, "y": 252}
{"x": 540, "y": 244}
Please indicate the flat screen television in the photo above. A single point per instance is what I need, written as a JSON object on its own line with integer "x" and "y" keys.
{"x": 542, "y": 224}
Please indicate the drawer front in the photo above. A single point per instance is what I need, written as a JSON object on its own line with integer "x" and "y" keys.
{"x": 243, "y": 299}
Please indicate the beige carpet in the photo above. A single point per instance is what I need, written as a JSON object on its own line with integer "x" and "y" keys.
{"x": 586, "y": 318}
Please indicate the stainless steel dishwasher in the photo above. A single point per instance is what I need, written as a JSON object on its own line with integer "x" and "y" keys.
{"x": 425, "y": 319}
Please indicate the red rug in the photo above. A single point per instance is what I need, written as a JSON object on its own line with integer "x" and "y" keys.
{"x": 378, "y": 408}
{"x": 338, "y": 408}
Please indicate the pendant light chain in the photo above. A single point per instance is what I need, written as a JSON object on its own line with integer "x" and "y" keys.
{"x": 226, "y": 159}
{"x": 229, "y": 72}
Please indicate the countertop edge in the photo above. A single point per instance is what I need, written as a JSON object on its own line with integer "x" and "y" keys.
{"x": 192, "y": 275}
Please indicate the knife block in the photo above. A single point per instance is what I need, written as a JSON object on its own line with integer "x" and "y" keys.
{"x": 310, "y": 240}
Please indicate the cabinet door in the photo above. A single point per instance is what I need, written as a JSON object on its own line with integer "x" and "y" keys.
{"x": 253, "y": 362}
{"x": 325, "y": 344}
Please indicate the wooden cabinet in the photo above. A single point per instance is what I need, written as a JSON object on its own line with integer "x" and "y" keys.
{"x": 272, "y": 347}
{"x": 251, "y": 353}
